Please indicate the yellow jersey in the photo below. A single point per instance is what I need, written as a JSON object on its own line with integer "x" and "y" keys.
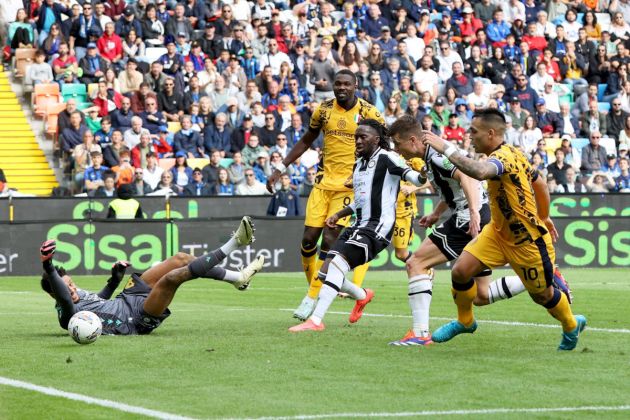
{"x": 406, "y": 205}
{"x": 512, "y": 202}
{"x": 338, "y": 126}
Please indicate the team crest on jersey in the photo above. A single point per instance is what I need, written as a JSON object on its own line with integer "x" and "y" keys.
{"x": 129, "y": 284}
{"x": 341, "y": 124}
{"x": 371, "y": 164}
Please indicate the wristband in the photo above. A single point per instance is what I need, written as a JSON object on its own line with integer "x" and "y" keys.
{"x": 280, "y": 166}
{"x": 450, "y": 150}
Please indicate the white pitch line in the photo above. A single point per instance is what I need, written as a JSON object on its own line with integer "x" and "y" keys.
{"x": 510, "y": 323}
{"x": 452, "y": 412}
{"x": 90, "y": 400}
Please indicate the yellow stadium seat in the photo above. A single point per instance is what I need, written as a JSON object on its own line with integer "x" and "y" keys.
{"x": 174, "y": 127}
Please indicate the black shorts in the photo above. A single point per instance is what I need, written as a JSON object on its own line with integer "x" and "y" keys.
{"x": 451, "y": 236}
{"x": 358, "y": 246}
{"x": 135, "y": 293}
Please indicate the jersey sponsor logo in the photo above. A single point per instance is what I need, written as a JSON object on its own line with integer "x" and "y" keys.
{"x": 447, "y": 163}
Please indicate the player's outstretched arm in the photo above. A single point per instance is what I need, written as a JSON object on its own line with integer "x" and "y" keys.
{"x": 429, "y": 220}
{"x": 473, "y": 168}
{"x": 118, "y": 272}
{"x": 296, "y": 151}
{"x": 331, "y": 222}
{"x": 543, "y": 199}
{"x": 60, "y": 290}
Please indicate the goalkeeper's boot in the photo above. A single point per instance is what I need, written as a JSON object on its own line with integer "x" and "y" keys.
{"x": 411, "y": 339}
{"x": 561, "y": 284}
{"x": 570, "y": 339}
{"x": 357, "y": 311}
{"x": 305, "y": 309}
{"x": 248, "y": 273}
{"x": 245, "y": 233}
{"x": 309, "y": 325}
{"x": 450, "y": 330}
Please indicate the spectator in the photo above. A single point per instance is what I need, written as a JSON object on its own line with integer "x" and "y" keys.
{"x": 453, "y": 132}
{"x": 538, "y": 80}
{"x": 182, "y": 173}
{"x": 211, "y": 170}
{"x": 611, "y": 167}
{"x": 139, "y": 97}
{"x": 284, "y": 202}
{"x": 622, "y": 182}
{"x": 251, "y": 186}
{"x": 217, "y": 136}
{"x": 130, "y": 79}
{"x": 236, "y": 170}
{"x": 152, "y": 172}
{"x": 140, "y": 186}
{"x": 197, "y": 187}
{"x": 305, "y": 188}
{"x": 103, "y": 136}
{"x": 281, "y": 146}
{"x": 40, "y": 71}
{"x": 393, "y": 111}
{"x": 166, "y": 186}
{"x": 171, "y": 102}
{"x": 188, "y": 140}
{"x": 128, "y": 23}
{"x": 530, "y": 135}
{"x": 81, "y": 29}
{"x": 498, "y": 29}
{"x": 65, "y": 66}
{"x": 616, "y": 120}
{"x": 132, "y": 136}
{"x": 269, "y": 133}
{"x": 107, "y": 100}
{"x": 121, "y": 117}
{"x": 261, "y": 167}
{"x": 571, "y": 186}
{"x": 140, "y": 151}
{"x": 94, "y": 173}
{"x": 110, "y": 46}
{"x": 108, "y": 189}
{"x": 593, "y": 155}
{"x": 477, "y": 98}
{"x": 525, "y": 94}
{"x": 600, "y": 182}
{"x": 72, "y": 135}
{"x": 151, "y": 118}
{"x": 549, "y": 122}
{"x": 124, "y": 170}
{"x": 111, "y": 154}
{"x": 377, "y": 92}
{"x": 322, "y": 75}
{"x": 447, "y": 58}
{"x": 82, "y": 157}
{"x": 425, "y": 78}
{"x": 571, "y": 126}
{"x": 155, "y": 78}
{"x": 224, "y": 185}
{"x": 592, "y": 121}
{"x": 439, "y": 114}
{"x": 559, "y": 168}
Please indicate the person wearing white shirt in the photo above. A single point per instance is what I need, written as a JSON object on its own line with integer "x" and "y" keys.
{"x": 251, "y": 186}
{"x": 538, "y": 80}
{"x": 425, "y": 79}
{"x": 544, "y": 27}
{"x": 477, "y": 99}
{"x": 446, "y": 58}
{"x": 415, "y": 45}
{"x": 551, "y": 98}
{"x": 132, "y": 135}
{"x": 274, "y": 58}
{"x": 571, "y": 26}
{"x": 515, "y": 9}
{"x": 153, "y": 172}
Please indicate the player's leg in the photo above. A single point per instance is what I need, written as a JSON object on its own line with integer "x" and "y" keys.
{"x": 420, "y": 291}
{"x": 489, "y": 291}
{"x": 316, "y": 213}
{"x": 483, "y": 252}
{"x": 534, "y": 263}
{"x": 153, "y": 274}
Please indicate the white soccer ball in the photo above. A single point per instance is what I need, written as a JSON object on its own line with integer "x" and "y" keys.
{"x": 85, "y": 327}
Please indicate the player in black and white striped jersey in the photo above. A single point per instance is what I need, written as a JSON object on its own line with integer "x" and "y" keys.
{"x": 376, "y": 180}
{"x": 468, "y": 202}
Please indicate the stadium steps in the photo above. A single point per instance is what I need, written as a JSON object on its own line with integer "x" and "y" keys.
{"x": 21, "y": 158}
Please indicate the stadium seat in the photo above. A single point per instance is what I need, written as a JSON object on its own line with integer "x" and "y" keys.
{"x": 44, "y": 95}
{"x": 27, "y": 83}
{"x": 74, "y": 91}
{"x": 167, "y": 164}
{"x": 91, "y": 90}
{"x": 603, "y": 106}
{"x": 174, "y": 127}
{"x": 226, "y": 162}
{"x": 601, "y": 88}
{"x": 23, "y": 57}
{"x": 198, "y": 162}
{"x": 83, "y": 105}
{"x": 52, "y": 117}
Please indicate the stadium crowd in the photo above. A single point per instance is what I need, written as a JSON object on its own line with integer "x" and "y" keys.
{"x": 204, "y": 97}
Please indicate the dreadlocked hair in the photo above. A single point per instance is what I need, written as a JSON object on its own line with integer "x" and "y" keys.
{"x": 381, "y": 130}
{"x": 45, "y": 280}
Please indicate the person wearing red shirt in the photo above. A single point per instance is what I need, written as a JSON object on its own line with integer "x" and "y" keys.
{"x": 470, "y": 25}
{"x": 553, "y": 69}
{"x": 110, "y": 45}
{"x": 107, "y": 99}
{"x": 453, "y": 132}
{"x": 537, "y": 44}
{"x": 139, "y": 152}
{"x": 114, "y": 8}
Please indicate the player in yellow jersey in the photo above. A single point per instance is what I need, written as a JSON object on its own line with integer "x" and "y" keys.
{"x": 406, "y": 209}
{"x": 338, "y": 118}
{"x": 520, "y": 232}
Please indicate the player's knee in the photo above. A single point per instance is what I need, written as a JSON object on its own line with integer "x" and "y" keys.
{"x": 481, "y": 300}
{"x": 415, "y": 264}
{"x": 460, "y": 273}
{"x": 182, "y": 259}
{"x": 542, "y": 298}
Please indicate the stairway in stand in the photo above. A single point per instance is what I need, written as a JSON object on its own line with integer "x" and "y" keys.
{"x": 21, "y": 159}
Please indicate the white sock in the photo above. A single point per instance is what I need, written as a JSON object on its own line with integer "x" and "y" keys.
{"x": 232, "y": 276}
{"x": 354, "y": 291}
{"x": 332, "y": 286}
{"x": 505, "y": 288}
{"x": 420, "y": 294}
{"x": 229, "y": 246}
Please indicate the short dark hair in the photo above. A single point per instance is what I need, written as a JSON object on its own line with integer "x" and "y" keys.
{"x": 492, "y": 117}
{"x": 404, "y": 126}
{"x": 347, "y": 72}
{"x": 45, "y": 280}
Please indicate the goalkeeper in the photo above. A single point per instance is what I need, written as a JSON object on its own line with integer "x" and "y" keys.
{"x": 143, "y": 304}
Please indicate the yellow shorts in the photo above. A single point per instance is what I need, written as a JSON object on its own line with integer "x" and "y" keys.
{"x": 323, "y": 204}
{"x": 403, "y": 232}
{"x": 533, "y": 261}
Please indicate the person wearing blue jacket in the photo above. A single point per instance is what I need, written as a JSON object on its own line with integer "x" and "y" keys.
{"x": 285, "y": 202}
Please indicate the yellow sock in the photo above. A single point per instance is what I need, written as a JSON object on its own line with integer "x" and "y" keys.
{"x": 561, "y": 310}
{"x": 359, "y": 274}
{"x": 464, "y": 301}
{"x": 308, "y": 262}
{"x": 316, "y": 283}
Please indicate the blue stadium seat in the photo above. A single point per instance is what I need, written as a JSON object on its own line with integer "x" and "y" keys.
{"x": 603, "y": 106}
{"x": 601, "y": 88}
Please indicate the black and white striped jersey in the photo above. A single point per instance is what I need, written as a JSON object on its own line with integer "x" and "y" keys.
{"x": 376, "y": 182}
{"x": 440, "y": 174}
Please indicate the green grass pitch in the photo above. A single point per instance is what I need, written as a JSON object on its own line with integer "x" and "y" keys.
{"x": 225, "y": 353}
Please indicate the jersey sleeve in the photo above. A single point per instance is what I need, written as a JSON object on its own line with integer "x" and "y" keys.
{"x": 317, "y": 119}
{"x": 62, "y": 295}
{"x": 397, "y": 166}
{"x": 375, "y": 114}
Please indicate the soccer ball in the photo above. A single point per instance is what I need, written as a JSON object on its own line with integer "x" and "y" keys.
{"x": 85, "y": 327}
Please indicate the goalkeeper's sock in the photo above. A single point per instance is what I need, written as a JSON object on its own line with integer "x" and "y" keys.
{"x": 309, "y": 257}
{"x": 221, "y": 274}
{"x": 560, "y": 309}
{"x": 463, "y": 295}
{"x": 316, "y": 283}
{"x": 201, "y": 266}
{"x": 505, "y": 288}
{"x": 229, "y": 246}
{"x": 359, "y": 274}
